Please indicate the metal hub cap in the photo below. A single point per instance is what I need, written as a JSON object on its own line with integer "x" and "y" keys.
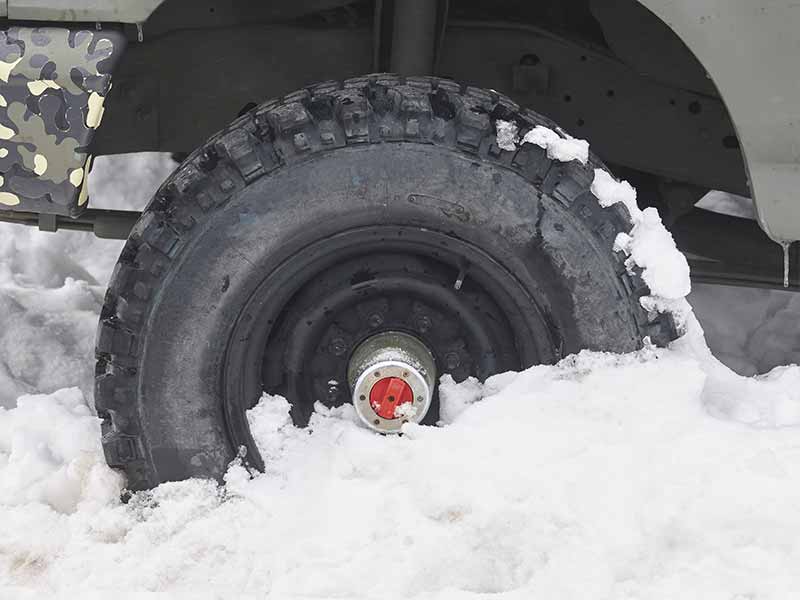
{"x": 392, "y": 376}
{"x": 388, "y": 395}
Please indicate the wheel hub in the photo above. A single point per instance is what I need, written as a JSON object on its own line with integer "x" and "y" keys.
{"x": 299, "y": 333}
{"x": 388, "y": 395}
{"x": 391, "y": 375}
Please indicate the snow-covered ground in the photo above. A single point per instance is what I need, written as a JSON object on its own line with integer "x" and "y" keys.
{"x": 659, "y": 474}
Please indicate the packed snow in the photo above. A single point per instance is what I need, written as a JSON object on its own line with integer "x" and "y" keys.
{"x": 656, "y": 474}
{"x": 559, "y": 145}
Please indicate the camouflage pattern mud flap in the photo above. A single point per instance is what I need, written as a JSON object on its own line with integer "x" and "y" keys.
{"x": 53, "y": 82}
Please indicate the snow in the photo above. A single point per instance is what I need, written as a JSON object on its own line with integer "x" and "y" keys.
{"x": 49, "y": 454}
{"x": 561, "y": 147}
{"x": 603, "y": 476}
{"x": 507, "y": 135}
{"x": 728, "y": 204}
{"x": 609, "y": 191}
{"x": 650, "y": 247}
{"x": 750, "y": 330}
{"x": 52, "y": 286}
{"x": 656, "y": 474}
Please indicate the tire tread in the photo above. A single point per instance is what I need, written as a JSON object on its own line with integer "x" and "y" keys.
{"x": 374, "y": 109}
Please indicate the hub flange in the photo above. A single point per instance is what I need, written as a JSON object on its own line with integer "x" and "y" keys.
{"x": 392, "y": 376}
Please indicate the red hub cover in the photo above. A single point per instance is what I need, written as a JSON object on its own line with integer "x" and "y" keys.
{"x": 389, "y": 393}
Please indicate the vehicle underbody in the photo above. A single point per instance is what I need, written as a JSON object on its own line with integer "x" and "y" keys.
{"x": 609, "y": 72}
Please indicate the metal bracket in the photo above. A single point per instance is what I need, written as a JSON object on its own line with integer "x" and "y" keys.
{"x": 530, "y": 76}
{"x": 104, "y": 223}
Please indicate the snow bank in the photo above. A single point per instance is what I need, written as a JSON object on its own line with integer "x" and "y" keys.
{"x": 750, "y": 330}
{"x": 52, "y": 286}
{"x": 49, "y": 301}
{"x": 603, "y": 476}
{"x": 650, "y": 247}
{"x": 49, "y": 454}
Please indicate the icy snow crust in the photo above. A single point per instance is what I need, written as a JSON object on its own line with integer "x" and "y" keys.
{"x": 656, "y": 474}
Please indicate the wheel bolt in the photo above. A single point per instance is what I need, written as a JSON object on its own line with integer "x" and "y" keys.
{"x": 375, "y": 320}
{"x": 338, "y": 346}
{"x": 333, "y": 390}
{"x": 423, "y": 323}
{"x": 452, "y": 360}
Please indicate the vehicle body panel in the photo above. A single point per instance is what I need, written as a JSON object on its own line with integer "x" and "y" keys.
{"x": 751, "y": 51}
{"x": 103, "y": 11}
{"x": 53, "y": 82}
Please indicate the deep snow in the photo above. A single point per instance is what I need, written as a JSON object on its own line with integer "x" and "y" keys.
{"x": 659, "y": 474}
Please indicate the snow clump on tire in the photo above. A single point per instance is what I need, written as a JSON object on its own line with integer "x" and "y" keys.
{"x": 649, "y": 246}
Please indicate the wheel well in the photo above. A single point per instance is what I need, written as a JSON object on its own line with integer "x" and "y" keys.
{"x": 609, "y": 71}
{"x": 645, "y": 104}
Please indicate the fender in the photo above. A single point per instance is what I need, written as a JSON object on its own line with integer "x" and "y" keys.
{"x": 53, "y": 82}
{"x": 750, "y": 50}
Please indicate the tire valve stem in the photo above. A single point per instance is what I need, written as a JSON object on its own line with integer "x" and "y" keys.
{"x": 460, "y": 278}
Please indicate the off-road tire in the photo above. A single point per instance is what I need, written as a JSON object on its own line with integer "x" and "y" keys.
{"x": 157, "y": 424}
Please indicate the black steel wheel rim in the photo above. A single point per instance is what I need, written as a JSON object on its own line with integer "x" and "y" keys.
{"x": 295, "y": 334}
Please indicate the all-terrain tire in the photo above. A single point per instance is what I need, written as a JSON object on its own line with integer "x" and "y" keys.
{"x": 304, "y": 162}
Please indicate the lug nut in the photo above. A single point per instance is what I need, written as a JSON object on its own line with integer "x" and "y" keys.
{"x": 333, "y": 390}
{"x": 452, "y": 360}
{"x": 338, "y": 346}
{"x": 423, "y": 323}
